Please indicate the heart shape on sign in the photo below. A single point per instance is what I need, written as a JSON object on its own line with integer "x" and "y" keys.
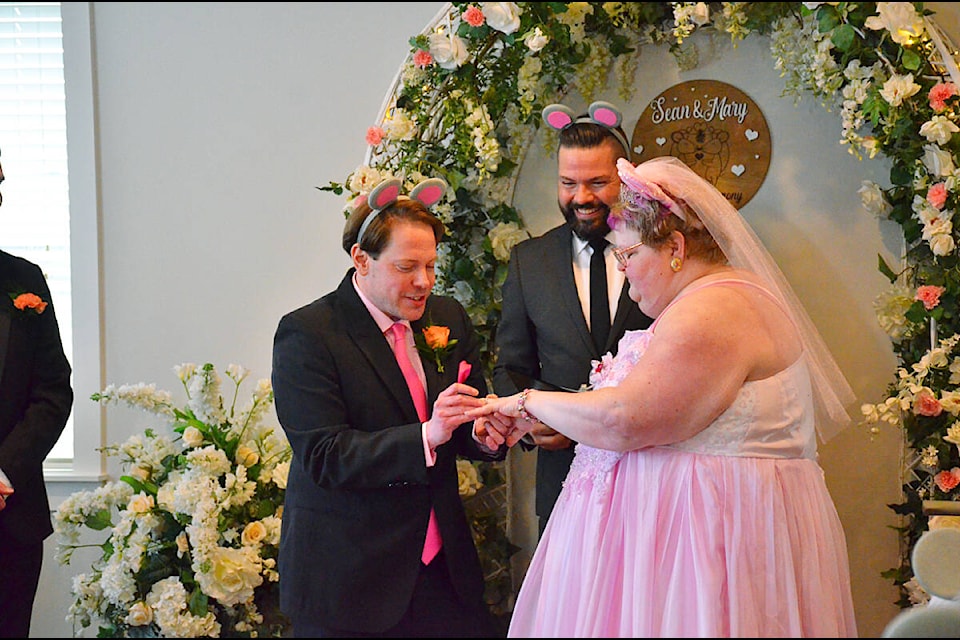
{"x": 751, "y": 134}
{"x": 737, "y": 170}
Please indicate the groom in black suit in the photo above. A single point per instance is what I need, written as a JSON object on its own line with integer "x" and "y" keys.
{"x": 367, "y": 469}
{"x": 544, "y": 331}
{"x": 35, "y": 402}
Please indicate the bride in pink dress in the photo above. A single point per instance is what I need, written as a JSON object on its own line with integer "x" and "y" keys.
{"x": 695, "y": 506}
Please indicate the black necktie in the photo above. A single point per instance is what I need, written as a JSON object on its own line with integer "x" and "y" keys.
{"x": 599, "y": 303}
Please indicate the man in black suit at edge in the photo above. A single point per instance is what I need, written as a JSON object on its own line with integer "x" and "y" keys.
{"x": 545, "y": 328}
{"x": 35, "y": 403}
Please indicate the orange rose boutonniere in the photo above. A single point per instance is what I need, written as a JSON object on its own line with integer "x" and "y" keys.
{"x": 435, "y": 342}
{"x": 28, "y": 301}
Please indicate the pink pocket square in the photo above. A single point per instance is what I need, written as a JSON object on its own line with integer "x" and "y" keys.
{"x": 464, "y": 371}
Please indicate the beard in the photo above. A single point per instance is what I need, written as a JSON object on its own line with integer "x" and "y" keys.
{"x": 595, "y": 227}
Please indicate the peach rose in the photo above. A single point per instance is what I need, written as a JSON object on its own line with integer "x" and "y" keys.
{"x": 436, "y": 336}
{"x": 947, "y": 480}
{"x": 926, "y": 404}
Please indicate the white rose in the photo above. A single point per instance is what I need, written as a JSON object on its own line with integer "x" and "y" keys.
{"x": 938, "y": 129}
{"x": 701, "y": 14}
{"x": 899, "y": 18}
{"x": 139, "y": 615}
{"x": 364, "y": 178}
{"x": 448, "y": 52}
{"x": 280, "y": 473}
{"x": 400, "y": 126}
{"x": 141, "y": 473}
{"x": 467, "y": 479}
{"x": 246, "y": 456}
{"x": 937, "y": 161}
{"x": 140, "y": 503}
{"x": 873, "y": 200}
{"x": 502, "y": 16}
{"x": 898, "y": 88}
{"x": 183, "y": 544}
{"x": 233, "y": 576}
{"x": 536, "y": 40}
{"x": 942, "y": 244}
{"x": 192, "y": 437}
{"x": 503, "y": 237}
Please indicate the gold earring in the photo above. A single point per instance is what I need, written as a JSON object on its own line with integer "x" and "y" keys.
{"x": 676, "y": 264}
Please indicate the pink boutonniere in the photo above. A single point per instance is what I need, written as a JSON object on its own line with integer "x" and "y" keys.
{"x": 434, "y": 341}
{"x": 28, "y": 302}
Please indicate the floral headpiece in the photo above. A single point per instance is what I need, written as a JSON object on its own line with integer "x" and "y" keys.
{"x": 427, "y": 192}
{"x": 641, "y": 189}
{"x": 559, "y": 117}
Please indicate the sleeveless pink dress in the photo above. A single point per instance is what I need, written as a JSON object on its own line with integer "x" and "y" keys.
{"x": 731, "y": 533}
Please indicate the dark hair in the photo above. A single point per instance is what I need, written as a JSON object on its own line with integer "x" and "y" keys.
{"x": 376, "y": 237}
{"x": 587, "y": 135}
{"x": 654, "y": 222}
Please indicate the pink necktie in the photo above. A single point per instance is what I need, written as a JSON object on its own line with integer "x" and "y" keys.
{"x": 431, "y": 545}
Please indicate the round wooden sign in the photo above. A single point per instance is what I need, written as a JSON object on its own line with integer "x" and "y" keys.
{"x": 715, "y": 128}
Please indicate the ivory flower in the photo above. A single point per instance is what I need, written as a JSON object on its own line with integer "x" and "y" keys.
{"x": 502, "y": 16}
{"x": 898, "y": 88}
{"x": 900, "y": 19}
{"x": 448, "y": 51}
{"x": 938, "y": 129}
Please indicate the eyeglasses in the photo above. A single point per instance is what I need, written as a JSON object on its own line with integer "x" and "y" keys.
{"x": 622, "y": 255}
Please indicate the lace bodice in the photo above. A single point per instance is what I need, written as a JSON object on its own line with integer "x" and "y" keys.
{"x": 769, "y": 418}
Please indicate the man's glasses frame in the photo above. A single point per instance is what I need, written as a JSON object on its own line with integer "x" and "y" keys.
{"x": 623, "y": 255}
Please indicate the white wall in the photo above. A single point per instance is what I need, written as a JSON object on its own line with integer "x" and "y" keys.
{"x": 216, "y": 121}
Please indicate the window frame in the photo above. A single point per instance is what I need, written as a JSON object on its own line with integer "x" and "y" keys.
{"x": 88, "y": 463}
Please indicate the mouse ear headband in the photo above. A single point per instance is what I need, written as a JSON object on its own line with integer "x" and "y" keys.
{"x": 427, "y": 192}
{"x": 559, "y": 117}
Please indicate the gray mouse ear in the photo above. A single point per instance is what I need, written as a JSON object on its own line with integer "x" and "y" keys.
{"x": 429, "y": 192}
{"x": 384, "y": 194}
{"x": 558, "y": 116}
{"x": 605, "y": 113}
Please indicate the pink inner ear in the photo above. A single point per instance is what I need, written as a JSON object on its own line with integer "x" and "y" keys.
{"x": 430, "y": 195}
{"x": 387, "y": 196}
{"x": 558, "y": 119}
{"x": 606, "y": 117}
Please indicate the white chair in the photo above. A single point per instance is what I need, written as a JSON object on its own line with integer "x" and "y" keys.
{"x": 936, "y": 565}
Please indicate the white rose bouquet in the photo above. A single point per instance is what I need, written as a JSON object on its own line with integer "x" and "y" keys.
{"x": 194, "y": 526}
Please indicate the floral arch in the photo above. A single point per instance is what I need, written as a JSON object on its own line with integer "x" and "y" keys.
{"x": 466, "y": 105}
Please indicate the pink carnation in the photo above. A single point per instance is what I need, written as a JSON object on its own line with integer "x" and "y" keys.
{"x": 947, "y": 480}
{"x": 374, "y": 136}
{"x": 937, "y": 195}
{"x": 422, "y": 58}
{"x": 473, "y": 16}
{"x": 926, "y": 404}
{"x": 940, "y": 93}
{"x": 929, "y": 295}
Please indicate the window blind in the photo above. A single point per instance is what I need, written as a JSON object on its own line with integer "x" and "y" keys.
{"x": 35, "y": 216}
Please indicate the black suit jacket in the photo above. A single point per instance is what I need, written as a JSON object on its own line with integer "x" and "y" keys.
{"x": 543, "y": 333}
{"x": 359, "y": 492}
{"x": 35, "y": 399}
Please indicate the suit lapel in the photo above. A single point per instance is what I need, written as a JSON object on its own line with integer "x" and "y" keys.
{"x": 562, "y": 258}
{"x": 365, "y": 333}
{"x": 624, "y": 306}
{"x": 434, "y": 378}
{"x": 5, "y": 319}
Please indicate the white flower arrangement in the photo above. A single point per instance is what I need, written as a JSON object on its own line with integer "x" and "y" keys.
{"x": 193, "y": 528}
{"x": 883, "y": 67}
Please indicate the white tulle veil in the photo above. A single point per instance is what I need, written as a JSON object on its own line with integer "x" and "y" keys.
{"x": 744, "y": 250}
